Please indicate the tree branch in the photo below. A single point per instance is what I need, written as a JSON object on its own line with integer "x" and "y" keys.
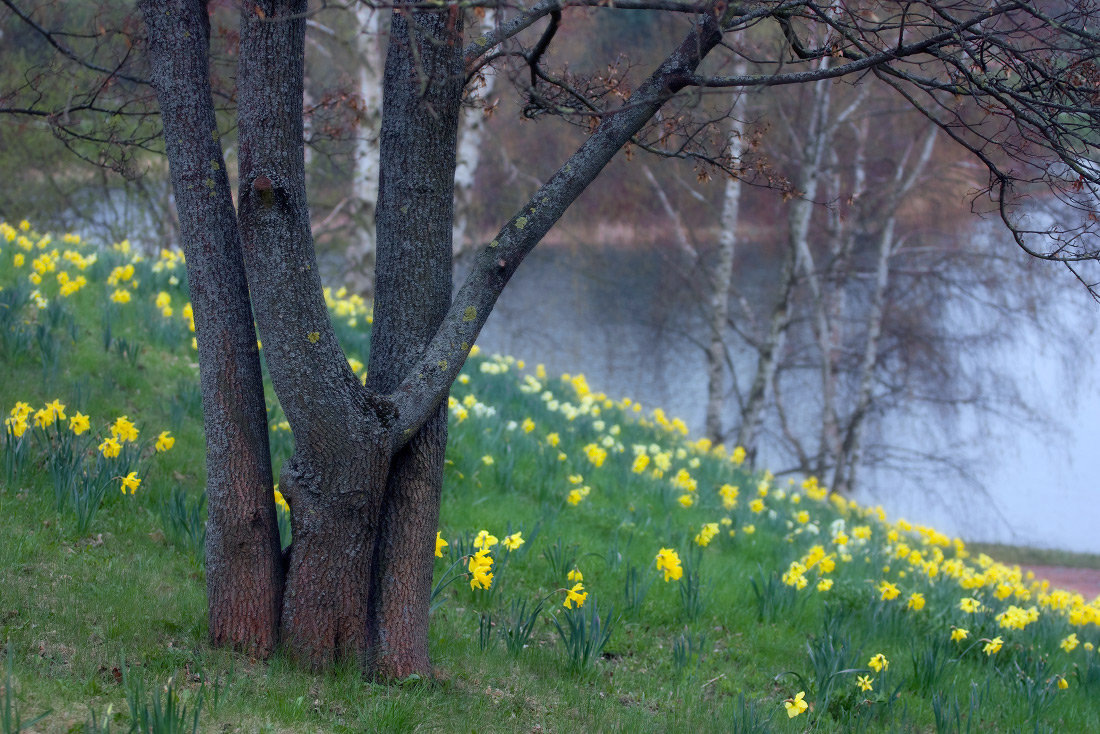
{"x": 420, "y": 392}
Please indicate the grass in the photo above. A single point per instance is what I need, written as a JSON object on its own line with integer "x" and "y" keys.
{"x": 1025, "y": 556}
{"x": 107, "y": 626}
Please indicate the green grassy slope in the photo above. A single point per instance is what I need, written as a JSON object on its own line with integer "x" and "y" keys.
{"x": 767, "y": 588}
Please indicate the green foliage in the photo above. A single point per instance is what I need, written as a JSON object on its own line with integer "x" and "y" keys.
{"x": 519, "y": 624}
{"x": 183, "y": 518}
{"x": 11, "y": 719}
{"x": 584, "y": 634}
{"x": 160, "y": 711}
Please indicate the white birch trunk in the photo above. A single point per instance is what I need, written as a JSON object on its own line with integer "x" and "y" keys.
{"x": 721, "y": 283}
{"x": 371, "y": 51}
{"x": 848, "y": 461}
{"x": 471, "y": 134}
{"x": 752, "y": 414}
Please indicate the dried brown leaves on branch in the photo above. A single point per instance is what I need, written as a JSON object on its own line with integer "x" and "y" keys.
{"x": 1014, "y": 83}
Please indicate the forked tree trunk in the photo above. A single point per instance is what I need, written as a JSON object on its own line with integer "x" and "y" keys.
{"x": 244, "y": 577}
{"x": 363, "y": 483}
{"x": 752, "y": 415}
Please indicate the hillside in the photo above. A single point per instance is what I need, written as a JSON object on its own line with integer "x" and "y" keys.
{"x": 639, "y": 580}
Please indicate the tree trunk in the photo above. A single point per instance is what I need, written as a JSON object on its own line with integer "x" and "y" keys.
{"x": 244, "y": 577}
{"x": 363, "y": 483}
{"x": 752, "y": 415}
{"x": 423, "y": 96}
{"x": 361, "y": 252}
{"x": 470, "y": 142}
{"x": 721, "y": 282}
{"x": 334, "y": 481}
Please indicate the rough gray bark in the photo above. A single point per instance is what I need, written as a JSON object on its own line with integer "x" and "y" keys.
{"x": 423, "y": 82}
{"x": 244, "y": 575}
{"x": 341, "y": 457}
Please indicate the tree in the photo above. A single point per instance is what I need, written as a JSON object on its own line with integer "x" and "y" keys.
{"x": 1011, "y": 81}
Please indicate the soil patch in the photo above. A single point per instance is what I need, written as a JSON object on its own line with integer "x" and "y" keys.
{"x": 1083, "y": 580}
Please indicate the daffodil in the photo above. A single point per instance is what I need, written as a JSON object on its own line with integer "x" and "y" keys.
{"x": 124, "y": 430}
{"x": 796, "y": 705}
{"x": 110, "y": 447}
{"x": 993, "y": 646}
{"x": 915, "y": 601}
{"x": 668, "y": 561}
{"x": 878, "y": 663}
{"x": 43, "y": 418}
{"x": 958, "y": 634}
{"x": 513, "y": 541}
{"x": 888, "y": 591}
{"x": 578, "y": 494}
{"x": 79, "y": 423}
{"x": 864, "y": 682}
{"x": 165, "y": 441}
{"x": 1069, "y": 643}
{"x": 969, "y": 605}
{"x": 485, "y": 540}
{"x": 575, "y": 596}
{"x": 481, "y": 577}
{"x": 131, "y": 482}
{"x": 575, "y": 575}
{"x": 706, "y": 534}
{"x": 57, "y": 409}
{"x": 440, "y": 544}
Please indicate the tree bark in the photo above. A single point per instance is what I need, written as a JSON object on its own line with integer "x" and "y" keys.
{"x": 422, "y": 100}
{"x": 362, "y": 251}
{"x": 470, "y": 142}
{"x": 721, "y": 280}
{"x": 244, "y": 577}
{"x": 333, "y": 482}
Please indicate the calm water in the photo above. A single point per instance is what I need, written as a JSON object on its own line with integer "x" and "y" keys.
{"x": 633, "y": 328}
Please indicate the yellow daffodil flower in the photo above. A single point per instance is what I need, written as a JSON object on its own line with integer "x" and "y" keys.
{"x": 796, "y": 705}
